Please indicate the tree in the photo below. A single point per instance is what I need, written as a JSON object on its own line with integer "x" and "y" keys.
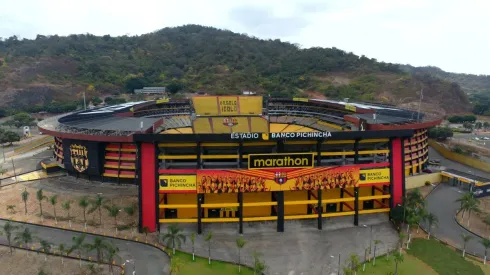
{"x": 376, "y": 242}
{"x": 24, "y": 237}
{"x": 67, "y": 206}
{"x": 463, "y": 201}
{"x": 440, "y": 133}
{"x": 466, "y": 238}
{"x": 11, "y": 208}
{"x": 40, "y": 197}
{"x": 25, "y": 197}
{"x": 9, "y": 137}
{"x": 412, "y": 220}
{"x": 77, "y": 245}
{"x": 99, "y": 245}
{"x": 2, "y": 171}
{"x": 353, "y": 261}
{"x": 486, "y": 125}
{"x": 54, "y": 200}
{"x": 468, "y": 126}
{"x": 131, "y": 211}
{"x": 173, "y": 237}
{"x": 486, "y": 246}
{"x": 240, "y": 243}
{"x": 259, "y": 265}
{"x": 401, "y": 237}
{"x": 193, "y": 240}
{"x": 398, "y": 258}
{"x": 472, "y": 206}
{"x": 97, "y": 204}
{"x": 176, "y": 265}
{"x": 45, "y": 247}
{"x": 84, "y": 203}
{"x": 8, "y": 228}
{"x": 208, "y": 238}
{"x": 63, "y": 250}
{"x": 478, "y": 125}
{"x": 112, "y": 253}
{"x": 145, "y": 231}
{"x": 432, "y": 221}
{"x": 22, "y": 119}
{"x": 113, "y": 211}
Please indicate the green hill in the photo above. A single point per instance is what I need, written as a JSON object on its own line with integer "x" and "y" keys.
{"x": 195, "y": 58}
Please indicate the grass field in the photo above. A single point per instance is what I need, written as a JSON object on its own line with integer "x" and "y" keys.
{"x": 410, "y": 265}
{"x": 442, "y": 259}
{"x": 200, "y": 266}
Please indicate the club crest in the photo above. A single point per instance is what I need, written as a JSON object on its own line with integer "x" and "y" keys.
{"x": 79, "y": 157}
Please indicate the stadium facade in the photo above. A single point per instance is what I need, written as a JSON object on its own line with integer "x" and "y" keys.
{"x": 245, "y": 159}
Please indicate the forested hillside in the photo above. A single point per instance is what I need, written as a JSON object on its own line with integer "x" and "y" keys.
{"x": 194, "y": 58}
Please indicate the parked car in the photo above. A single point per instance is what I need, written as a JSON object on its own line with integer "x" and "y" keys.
{"x": 428, "y": 171}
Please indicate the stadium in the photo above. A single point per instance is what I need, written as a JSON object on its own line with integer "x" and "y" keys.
{"x": 239, "y": 159}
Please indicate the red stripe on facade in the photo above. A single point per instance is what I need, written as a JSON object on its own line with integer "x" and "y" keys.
{"x": 148, "y": 190}
{"x": 397, "y": 171}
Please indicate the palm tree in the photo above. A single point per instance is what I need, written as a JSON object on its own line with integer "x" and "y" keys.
{"x": 173, "y": 237}
{"x": 99, "y": 245}
{"x": 240, "y": 243}
{"x": 97, "y": 204}
{"x": 464, "y": 201}
{"x": 365, "y": 258}
{"x": 208, "y": 238}
{"x": 175, "y": 265}
{"x": 113, "y": 212}
{"x": 432, "y": 220}
{"x": 78, "y": 245}
{"x": 354, "y": 263}
{"x": 472, "y": 206}
{"x": 63, "y": 250}
{"x": 112, "y": 253}
{"x": 40, "y": 197}
{"x": 145, "y": 231}
{"x": 193, "y": 240}
{"x": 25, "y": 197}
{"x": 54, "y": 200}
{"x": 83, "y": 203}
{"x": 376, "y": 242}
{"x": 7, "y": 229}
{"x": 130, "y": 211}
{"x": 486, "y": 245}
{"x": 45, "y": 247}
{"x": 67, "y": 206}
{"x": 466, "y": 239}
{"x": 398, "y": 259}
{"x": 412, "y": 219}
{"x": 24, "y": 237}
{"x": 401, "y": 236}
{"x": 422, "y": 217}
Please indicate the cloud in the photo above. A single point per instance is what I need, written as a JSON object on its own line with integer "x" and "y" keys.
{"x": 262, "y": 21}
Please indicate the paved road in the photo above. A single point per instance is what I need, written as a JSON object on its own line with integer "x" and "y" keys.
{"x": 442, "y": 202}
{"x": 433, "y": 154}
{"x": 149, "y": 260}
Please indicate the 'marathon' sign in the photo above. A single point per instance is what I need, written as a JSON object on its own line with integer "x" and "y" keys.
{"x": 266, "y": 161}
{"x": 282, "y": 135}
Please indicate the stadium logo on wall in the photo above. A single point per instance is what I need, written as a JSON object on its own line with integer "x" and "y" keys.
{"x": 280, "y": 177}
{"x": 230, "y": 121}
{"x": 79, "y": 157}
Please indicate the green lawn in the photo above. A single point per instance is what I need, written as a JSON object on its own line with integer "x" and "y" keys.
{"x": 442, "y": 259}
{"x": 201, "y": 266}
{"x": 409, "y": 266}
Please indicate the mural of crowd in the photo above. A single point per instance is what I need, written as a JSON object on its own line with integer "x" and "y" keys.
{"x": 229, "y": 182}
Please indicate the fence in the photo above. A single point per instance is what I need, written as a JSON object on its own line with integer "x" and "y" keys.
{"x": 459, "y": 158}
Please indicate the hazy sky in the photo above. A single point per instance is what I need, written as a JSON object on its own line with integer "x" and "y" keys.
{"x": 451, "y": 34}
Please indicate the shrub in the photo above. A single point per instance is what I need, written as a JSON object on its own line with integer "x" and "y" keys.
{"x": 427, "y": 183}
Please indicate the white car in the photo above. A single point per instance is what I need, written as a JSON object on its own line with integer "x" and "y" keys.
{"x": 485, "y": 138}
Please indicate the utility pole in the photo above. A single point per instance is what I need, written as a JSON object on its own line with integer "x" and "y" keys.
{"x": 420, "y": 103}
{"x": 84, "y": 103}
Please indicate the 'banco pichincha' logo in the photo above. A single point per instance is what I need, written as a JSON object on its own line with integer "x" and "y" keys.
{"x": 79, "y": 157}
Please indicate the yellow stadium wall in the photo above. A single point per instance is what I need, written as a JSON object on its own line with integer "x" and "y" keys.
{"x": 295, "y": 196}
{"x": 349, "y": 203}
{"x": 259, "y": 125}
{"x": 419, "y": 181}
{"x": 183, "y": 213}
{"x": 460, "y": 158}
{"x": 257, "y": 211}
{"x": 328, "y": 194}
{"x": 201, "y": 125}
{"x": 219, "y": 198}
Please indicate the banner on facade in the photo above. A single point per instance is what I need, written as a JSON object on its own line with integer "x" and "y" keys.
{"x": 177, "y": 183}
{"x": 288, "y": 160}
{"x": 374, "y": 176}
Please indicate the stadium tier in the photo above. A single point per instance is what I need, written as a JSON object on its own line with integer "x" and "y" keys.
{"x": 246, "y": 159}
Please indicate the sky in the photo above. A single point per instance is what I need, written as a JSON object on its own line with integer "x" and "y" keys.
{"x": 453, "y": 35}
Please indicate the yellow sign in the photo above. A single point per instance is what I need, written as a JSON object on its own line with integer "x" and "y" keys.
{"x": 374, "y": 176}
{"x": 350, "y": 107}
{"x": 178, "y": 183}
{"x": 300, "y": 99}
{"x": 163, "y": 100}
{"x": 228, "y": 105}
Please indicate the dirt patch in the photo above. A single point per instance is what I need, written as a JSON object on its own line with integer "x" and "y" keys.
{"x": 19, "y": 263}
{"x": 476, "y": 223}
{"x": 11, "y": 196}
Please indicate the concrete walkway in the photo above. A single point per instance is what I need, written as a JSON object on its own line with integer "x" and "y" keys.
{"x": 302, "y": 249}
{"x": 148, "y": 260}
